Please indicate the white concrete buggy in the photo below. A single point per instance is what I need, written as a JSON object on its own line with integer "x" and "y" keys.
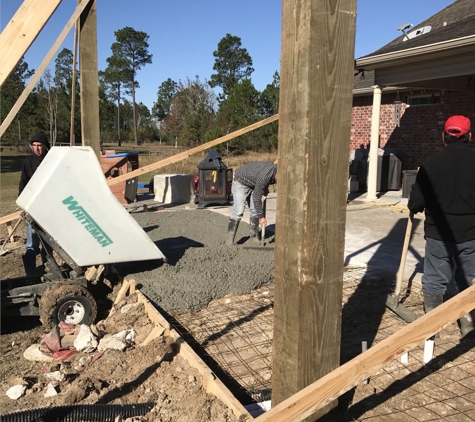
{"x": 80, "y": 225}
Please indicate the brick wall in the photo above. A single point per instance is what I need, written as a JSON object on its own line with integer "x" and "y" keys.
{"x": 421, "y": 127}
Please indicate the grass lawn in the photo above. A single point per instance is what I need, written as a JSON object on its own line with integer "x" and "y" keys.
{"x": 10, "y": 166}
{"x": 11, "y": 162}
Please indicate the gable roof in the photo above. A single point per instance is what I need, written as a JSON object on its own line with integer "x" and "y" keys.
{"x": 454, "y": 22}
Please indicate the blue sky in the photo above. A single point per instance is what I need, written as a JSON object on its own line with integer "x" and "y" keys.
{"x": 184, "y": 33}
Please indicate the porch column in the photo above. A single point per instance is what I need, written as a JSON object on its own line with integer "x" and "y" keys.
{"x": 374, "y": 145}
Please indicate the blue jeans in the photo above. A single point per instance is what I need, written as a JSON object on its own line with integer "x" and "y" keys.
{"x": 445, "y": 261}
{"x": 242, "y": 194}
{"x": 32, "y": 246}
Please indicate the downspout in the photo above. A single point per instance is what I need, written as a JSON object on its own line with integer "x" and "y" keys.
{"x": 374, "y": 145}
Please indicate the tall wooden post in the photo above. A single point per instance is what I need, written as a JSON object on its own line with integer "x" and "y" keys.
{"x": 314, "y": 131}
{"x": 89, "y": 86}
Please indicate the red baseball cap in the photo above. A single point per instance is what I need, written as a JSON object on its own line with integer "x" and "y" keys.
{"x": 457, "y": 125}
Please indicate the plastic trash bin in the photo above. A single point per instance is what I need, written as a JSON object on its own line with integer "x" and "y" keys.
{"x": 408, "y": 179}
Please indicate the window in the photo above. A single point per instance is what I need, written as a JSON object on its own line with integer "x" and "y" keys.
{"x": 423, "y": 100}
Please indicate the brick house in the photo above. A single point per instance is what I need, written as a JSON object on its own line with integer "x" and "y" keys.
{"x": 404, "y": 91}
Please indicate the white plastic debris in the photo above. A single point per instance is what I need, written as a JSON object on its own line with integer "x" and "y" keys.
{"x": 111, "y": 342}
{"x": 16, "y": 391}
{"x": 50, "y": 391}
{"x": 85, "y": 340}
{"x": 34, "y": 354}
{"x": 126, "y": 335}
{"x": 55, "y": 376}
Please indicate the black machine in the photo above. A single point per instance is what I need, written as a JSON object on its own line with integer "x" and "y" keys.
{"x": 60, "y": 294}
{"x": 215, "y": 179}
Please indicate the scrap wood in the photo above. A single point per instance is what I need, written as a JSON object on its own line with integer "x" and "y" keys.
{"x": 10, "y": 238}
{"x": 128, "y": 287}
{"x": 328, "y": 388}
{"x": 94, "y": 272}
{"x": 157, "y": 331}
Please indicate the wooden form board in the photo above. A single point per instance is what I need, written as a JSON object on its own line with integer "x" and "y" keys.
{"x": 21, "y": 31}
{"x": 211, "y": 383}
{"x": 309, "y": 400}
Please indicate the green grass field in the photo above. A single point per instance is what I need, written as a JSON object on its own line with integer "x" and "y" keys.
{"x": 11, "y": 162}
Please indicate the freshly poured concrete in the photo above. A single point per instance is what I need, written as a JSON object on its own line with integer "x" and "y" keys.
{"x": 201, "y": 267}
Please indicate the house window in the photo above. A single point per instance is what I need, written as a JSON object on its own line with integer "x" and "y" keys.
{"x": 423, "y": 100}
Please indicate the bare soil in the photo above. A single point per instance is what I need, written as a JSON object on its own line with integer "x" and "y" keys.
{"x": 154, "y": 373}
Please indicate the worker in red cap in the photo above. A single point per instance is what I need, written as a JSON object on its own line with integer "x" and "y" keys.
{"x": 445, "y": 190}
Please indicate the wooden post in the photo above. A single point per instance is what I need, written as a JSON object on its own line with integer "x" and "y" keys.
{"x": 314, "y": 132}
{"x": 88, "y": 73}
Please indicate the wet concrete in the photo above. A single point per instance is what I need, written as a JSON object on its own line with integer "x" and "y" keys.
{"x": 200, "y": 265}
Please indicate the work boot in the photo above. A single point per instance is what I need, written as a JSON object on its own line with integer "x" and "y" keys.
{"x": 232, "y": 229}
{"x": 431, "y": 302}
{"x": 254, "y": 229}
{"x": 29, "y": 263}
{"x": 466, "y": 324}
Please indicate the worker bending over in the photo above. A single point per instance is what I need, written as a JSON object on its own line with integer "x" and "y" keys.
{"x": 250, "y": 183}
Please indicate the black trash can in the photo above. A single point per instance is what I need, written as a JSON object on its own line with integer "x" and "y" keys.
{"x": 408, "y": 179}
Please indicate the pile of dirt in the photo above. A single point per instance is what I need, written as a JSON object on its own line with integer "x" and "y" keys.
{"x": 199, "y": 268}
{"x": 153, "y": 373}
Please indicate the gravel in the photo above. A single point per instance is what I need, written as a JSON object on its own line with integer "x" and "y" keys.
{"x": 200, "y": 266}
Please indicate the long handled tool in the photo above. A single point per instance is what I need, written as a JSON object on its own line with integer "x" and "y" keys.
{"x": 262, "y": 244}
{"x": 392, "y": 302}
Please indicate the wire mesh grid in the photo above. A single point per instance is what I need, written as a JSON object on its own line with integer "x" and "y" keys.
{"x": 237, "y": 331}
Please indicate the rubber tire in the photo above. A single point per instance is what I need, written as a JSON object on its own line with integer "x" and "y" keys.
{"x": 61, "y": 299}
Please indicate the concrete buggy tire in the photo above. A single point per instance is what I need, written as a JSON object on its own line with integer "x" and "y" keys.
{"x": 67, "y": 302}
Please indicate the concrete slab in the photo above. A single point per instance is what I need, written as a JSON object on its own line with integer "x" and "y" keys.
{"x": 375, "y": 232}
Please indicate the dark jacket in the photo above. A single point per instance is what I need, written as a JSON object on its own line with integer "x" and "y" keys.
{"x": 32, "y": 162}
{"x": 445, "y": 189}
{"x": 258, "y": 176}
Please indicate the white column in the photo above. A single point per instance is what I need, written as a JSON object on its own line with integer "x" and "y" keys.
{"x": 374, "y": 145}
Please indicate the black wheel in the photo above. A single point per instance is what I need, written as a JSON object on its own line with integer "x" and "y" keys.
{"x": 67, "y": 302}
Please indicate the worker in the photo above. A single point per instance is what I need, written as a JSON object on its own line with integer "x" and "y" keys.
{"x": 445, "y": 190}
{"x": 39, "y": 146}
{"x": 250, "y": 183}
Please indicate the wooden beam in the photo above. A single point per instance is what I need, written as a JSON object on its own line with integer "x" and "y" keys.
{"x": 338, "y": 382}
{"x": 34, "y": 79}
{"x": 171, "y": 160}
{"x": 316, "y": 81}
{"x": 10, "y": 217}
{"x": 186, "y": 154}
{"x": 88, "y": 74}
{"x": 21, "y": 31}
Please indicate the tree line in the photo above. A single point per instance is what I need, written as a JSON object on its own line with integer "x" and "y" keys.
{"x": 186, "y": 112}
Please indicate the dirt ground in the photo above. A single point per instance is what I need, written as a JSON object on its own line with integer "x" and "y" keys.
{"x": 140, "y": 374}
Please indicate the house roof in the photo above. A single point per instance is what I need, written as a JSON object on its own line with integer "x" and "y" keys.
{"x": 455, "y": 21}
